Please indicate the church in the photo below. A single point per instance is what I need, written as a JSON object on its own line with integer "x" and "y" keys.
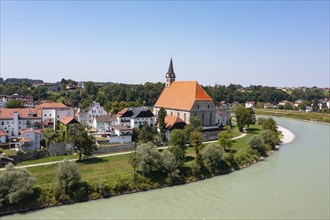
{"x": 185, "y": 99}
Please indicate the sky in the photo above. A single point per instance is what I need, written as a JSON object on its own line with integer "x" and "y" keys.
{"x": 270, "y": 43}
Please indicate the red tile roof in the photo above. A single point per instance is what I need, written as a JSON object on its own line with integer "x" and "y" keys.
{"x": 67, "y": 119}
{"x": 171, "y": 120}
{"x": 51, "y": 105}
{"x": 182, "y": 95}
{"x": 28, "y": 113}
{"x": 30, "y": 130}
{"x": 3, "y": 133}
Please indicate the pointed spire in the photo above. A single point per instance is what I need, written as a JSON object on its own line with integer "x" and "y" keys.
{"x": 170, "y": 73}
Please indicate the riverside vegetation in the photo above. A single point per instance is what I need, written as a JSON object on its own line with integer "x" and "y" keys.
{"x": 144, "y": 169}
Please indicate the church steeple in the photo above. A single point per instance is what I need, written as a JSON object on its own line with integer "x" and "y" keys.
{"x": 170, "y": 75}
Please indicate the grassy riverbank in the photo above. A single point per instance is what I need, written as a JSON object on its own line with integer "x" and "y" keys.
{"x": 114, "y": 175}
{"x": 311, "y": 116}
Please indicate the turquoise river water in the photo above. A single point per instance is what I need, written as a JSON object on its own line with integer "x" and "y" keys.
{"x": 293, "y": 183}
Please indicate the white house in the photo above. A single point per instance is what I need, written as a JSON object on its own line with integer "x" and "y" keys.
{"x": 14, "y": 119}
{"x": 86, "y": 116}
{"x": 102, "y": 123}
{"x": 30, "y": 139}
{"x": 52, "y": 112}
{"x": 249, "y": 104}
{"x": 120, "y": 134}
{"x": 135, "y": 117}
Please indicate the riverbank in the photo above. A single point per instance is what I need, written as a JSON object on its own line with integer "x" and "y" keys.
{"x": 287, "y": 137}
{"x": 121, "y": 186}
{"x": 309, "y": 116}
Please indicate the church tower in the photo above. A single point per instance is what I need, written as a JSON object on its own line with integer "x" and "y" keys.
{"x": 170, "y": 75}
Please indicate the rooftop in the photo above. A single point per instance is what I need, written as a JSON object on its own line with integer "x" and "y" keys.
{"x": 182, "y": 95}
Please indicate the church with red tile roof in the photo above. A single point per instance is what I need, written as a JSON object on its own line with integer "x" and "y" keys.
{"x": 185, "y": 99}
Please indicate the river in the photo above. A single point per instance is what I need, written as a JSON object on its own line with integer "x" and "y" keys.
{"x": 292, "y": 183}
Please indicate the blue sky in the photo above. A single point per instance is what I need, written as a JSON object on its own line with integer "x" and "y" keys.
{"x": 275, "y": 43}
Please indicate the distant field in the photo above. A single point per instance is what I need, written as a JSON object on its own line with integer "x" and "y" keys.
{"x": 311, "y": 116}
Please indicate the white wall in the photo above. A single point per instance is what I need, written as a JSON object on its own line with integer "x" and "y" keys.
{"x": 120, "y": 139}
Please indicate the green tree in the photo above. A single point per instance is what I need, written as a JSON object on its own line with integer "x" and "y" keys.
{"x": 67, "y": 176}
{"x": 177, "y": 138}
{"x": 14, "y": 104}
{"x": 195, "y": 124}
{"x": 257, "y": 144}
{"x": 212, "y": 156}
{"x": 245, "y": 117}
{"x": 268, "y": 124}
{"x": 196, "y": 140}
{"x": 16, "y": 185}
{"x": 271, "y": 138}
{"x": 161, "y": 122}
{"x": 225, "y": 141}
{"x": 82, "y": 143}
{"x": 146, "y": 134}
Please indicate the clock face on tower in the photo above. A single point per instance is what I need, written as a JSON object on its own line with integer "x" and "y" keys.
{"x": 172, "y": 75}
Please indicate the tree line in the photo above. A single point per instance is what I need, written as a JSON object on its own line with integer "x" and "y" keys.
{"x": 118, "y": 95}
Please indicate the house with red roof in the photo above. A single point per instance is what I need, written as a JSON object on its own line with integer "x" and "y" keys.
{"x": 185, "y": 99}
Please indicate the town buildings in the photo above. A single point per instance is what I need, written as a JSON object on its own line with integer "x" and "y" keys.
{"x": 86, "y": 116}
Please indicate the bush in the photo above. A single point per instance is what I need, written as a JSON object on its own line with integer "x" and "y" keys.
{"x": 16, "y": 185}
{"x": 212, "y": 156}
{"x": 270, "y": 138}
{"x": 68, "y": 176}
{"x": 257, "y": 144}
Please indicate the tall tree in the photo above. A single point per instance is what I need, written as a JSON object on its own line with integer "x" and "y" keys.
{"x": 245, "y": 117}
{"x": 196, "y": 140}
{"x": 225, "y": 141}
{"x": 161, "y": 122}
{"x": 82, "y": 143}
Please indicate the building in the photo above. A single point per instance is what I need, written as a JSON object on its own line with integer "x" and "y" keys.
{"x": 249, "y": 104}
{"x": 120, "y": 134}
{"x": 172, "y": 122}
{"x": 185, "y": 99}
{"x": 30, "y": 139}
{"x": 14, "y": 119}
{"x": 86, "y": 116}
{"x": 3, "y": 137}
{"x": 136, "y": 117}
{"x": 52, "y": 112}
{"x": 64, "y": 123}
{"x": 102, "y": 123}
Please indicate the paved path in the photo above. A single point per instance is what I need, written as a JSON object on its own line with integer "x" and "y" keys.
{"x": 108, "y": 155}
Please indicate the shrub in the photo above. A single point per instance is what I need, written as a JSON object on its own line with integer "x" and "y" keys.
{"x": 68, "y": 176}
{"x": 257, "y": 144}
{"x": 212, "y": 156}
{"x": 16, "y": 185}
{"x": 270, "y": 138}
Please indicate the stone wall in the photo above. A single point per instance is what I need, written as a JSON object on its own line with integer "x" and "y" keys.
{"x": 30, "y": 156}
{"x": 115, "y": 148}
{"x": 55, "y": 149}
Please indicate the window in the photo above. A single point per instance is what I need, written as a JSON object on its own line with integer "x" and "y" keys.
{"x": 184, "y": 116}
{"x": 45, "y": 115}
{"x": 50, "y": 114}
{"x": 178, "y": 114}
{"x": 208, "y": 106}
{"x": 197, "y": 106}
{"x": 171, "y": 113}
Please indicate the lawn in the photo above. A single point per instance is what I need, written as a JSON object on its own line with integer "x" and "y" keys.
{"x": 93, "y": 170}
